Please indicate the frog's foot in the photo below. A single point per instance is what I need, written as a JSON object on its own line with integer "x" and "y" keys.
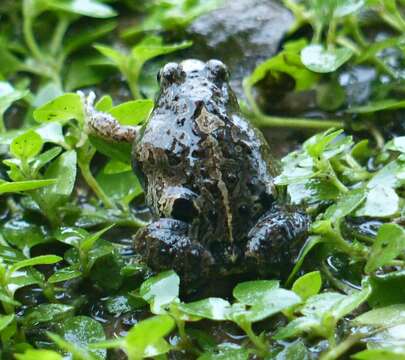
{"x": 274, "y": 242}
{"x": 165, "y": 245}
{"x": 103, "y": 124}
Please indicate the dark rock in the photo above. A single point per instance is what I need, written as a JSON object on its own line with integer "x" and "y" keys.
{"x": 242, "y": 33}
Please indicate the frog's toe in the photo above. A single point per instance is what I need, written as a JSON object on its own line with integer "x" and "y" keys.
{"x": 274, "y": 242}
{"x": 165, "y": 245}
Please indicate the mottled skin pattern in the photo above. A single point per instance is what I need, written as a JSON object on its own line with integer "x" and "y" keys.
{"x": 209, "y": 182}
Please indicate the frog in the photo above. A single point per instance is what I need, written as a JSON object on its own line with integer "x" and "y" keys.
{"x": 209, "y": 180}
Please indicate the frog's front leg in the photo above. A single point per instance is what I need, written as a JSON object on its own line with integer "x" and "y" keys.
{"x": 103, "y": 124}
{"x": 274, "y": 242}
{"x": 165, "y": 244}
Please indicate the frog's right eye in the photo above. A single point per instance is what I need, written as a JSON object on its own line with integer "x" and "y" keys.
{"x": 169, "y": 74}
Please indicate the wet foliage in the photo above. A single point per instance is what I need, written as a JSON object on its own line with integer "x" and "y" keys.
{"x": 71, "y": 285}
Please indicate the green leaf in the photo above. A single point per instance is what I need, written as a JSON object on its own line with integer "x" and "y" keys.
{"x": 22, "y": 278}
{"x": 9, "y": 63}
{"x": 387, "y": 289}
{"x": 381, "y": 201}
{"x": 83, "y": 72}
{"x": 31, "y": 354}
{"x": 121, "y": 186}
{"x": 51, "y": 132}
{"x": 8, "y": 95}
{"x": 87, "y": 36}
{"x": 160, "y": 290}
{"x": 104, "y": 104}
{"x": 78, "y": 352}
{"x": 249, "y": 292}
{"x": 23, "y": 234}
{"x": 132, "y": 112}
{"x": 64, "y": 170}
{"x": 286, "y": 62}
{"x": 91, "y": 8}
{"x": 210, "y": 308}
{"x": 319, "y": 60}
{"x": 87, "y": 243}
{"x": 311, "y": 242}
{"x": 39, "y": 260}
{"x": 43, "y": 159}
{"x": 378, "y": 105}
{"x": 153, "y": 46}
{"x": 18, "y": 186}
{"x": 380, "y": 354}
{"x": 296, "y": 327}
{"x": 145, "y": 339}
{"x": 171, "y": 15}
{"x": 117, "y": 151}
{"x": 47, "y": 312}
{"x": 46, "y": 93}
{"x": 118, "y": 59}
{"x": 385, "y": 317}
{"x": 330, "y": 96}
{"x": 347, "y": 7}
{"x": 347, "y": 203}
{"x": 226, "y": 352}
{"x": 351, "y": 302}
{"x": 116, "y": 167}
{"x": 6, "y": 320}
{"x": 62, "y": 109}
{"x": 6, "y": 299}
{"x": 308, "y": 285}
{"x": 390, "y": 243}
{"x": 396, "y": 144}
{"x": 321, "y": 313}
{"x": 10, "y": 255}
{"x": 389, "y": 175}
{"x": 269, "y": 304}
{"x": 26, "y": 145}
{"x": 64, "y": 274}
{"x": 82, "y": 331}
{"x": 294, "y": 351}
{"x": 317, "y": 145}
{"x": 71, "y": 236}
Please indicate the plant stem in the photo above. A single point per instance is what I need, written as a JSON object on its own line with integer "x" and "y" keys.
{"x": 260, "y": 345}
{"x": 56, "y": 42}
{"x": 30, "y": 40}
{"x": 331, "y": 36}
{"x": 379, "y": 139}
{"x": 339, "y": 350}
{"x": 262, "y": 120}
{"x": 133, "y": 81}
{"x": 93, "y": 184}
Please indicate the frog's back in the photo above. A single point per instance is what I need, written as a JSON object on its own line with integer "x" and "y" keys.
{"x": 197, "y": 139}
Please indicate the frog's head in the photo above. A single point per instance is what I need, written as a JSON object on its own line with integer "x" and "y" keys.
{"x": 193, "y": 82}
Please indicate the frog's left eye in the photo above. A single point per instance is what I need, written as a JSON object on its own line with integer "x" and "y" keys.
{"x": 169, "y": 74}
{"x": 218, "y": 69}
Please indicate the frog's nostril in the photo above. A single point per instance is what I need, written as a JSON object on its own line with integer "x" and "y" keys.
{"x": 184, "y": 209}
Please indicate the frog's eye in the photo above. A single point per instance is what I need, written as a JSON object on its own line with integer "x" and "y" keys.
{"x": 218, "y": 70}
{"x": 169, "y": 74}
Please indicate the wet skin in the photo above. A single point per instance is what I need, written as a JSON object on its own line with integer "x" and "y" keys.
{"x": 209, "y": 182}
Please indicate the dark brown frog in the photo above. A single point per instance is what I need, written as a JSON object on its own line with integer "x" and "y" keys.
{"x": 209, "y": 182}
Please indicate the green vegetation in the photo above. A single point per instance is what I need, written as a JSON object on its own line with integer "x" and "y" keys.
{"x": 70, "y": 285}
